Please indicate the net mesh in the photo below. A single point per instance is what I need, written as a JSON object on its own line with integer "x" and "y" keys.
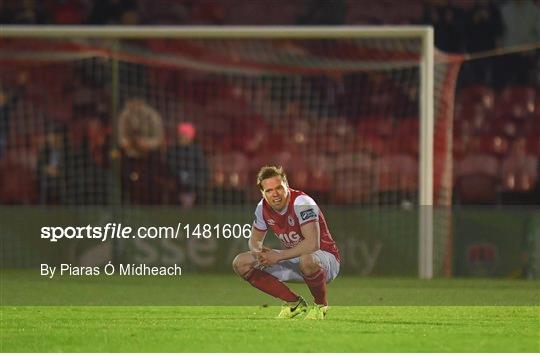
{"x": 189, "y": 122}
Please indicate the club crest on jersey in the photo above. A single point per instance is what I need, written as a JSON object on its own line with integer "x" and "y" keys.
{"x": 307, "y": 214}
{"x": 270, "y": 222}
{"x": 290, "y": 219}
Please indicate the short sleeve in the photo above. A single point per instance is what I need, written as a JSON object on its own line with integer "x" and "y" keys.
{"x": 306, "y": 209}
{"x": 259, "y": 222}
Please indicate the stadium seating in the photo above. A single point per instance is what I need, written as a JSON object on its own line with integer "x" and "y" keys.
{"x": 477, "y": 96}
{"x": 353, "y": 179}
{"x": 407, "y": 134}
{"x": 517, "y": 101}
{"x": 396, "y": 178}
{"x": 229, "y": 177}
{"x": 477, "y": 179}
{"x": 320, "y": 171}
{"x": 375, "y": 126}
{"x": 533, "y": 144}
{"x": 493, "y": 144}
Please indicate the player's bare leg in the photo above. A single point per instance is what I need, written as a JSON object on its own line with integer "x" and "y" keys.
{"x": 244, "y": 265}
{"x": 315, "y": 278}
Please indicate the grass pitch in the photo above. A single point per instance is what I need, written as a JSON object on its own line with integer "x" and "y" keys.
{"x": 367, "y": 315}
{"x": 248, "y": 328}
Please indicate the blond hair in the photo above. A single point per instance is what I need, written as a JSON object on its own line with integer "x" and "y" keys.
{"x": 267, "y": 172}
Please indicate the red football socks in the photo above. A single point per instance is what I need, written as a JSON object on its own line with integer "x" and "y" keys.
{"x": 271, "y": 285}
{"x": 317, "y": 286}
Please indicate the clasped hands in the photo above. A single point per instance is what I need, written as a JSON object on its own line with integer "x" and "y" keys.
{"x": 267, "y": 256}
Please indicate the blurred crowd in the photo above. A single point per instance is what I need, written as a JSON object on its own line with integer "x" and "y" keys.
{"x": 186, "y": 138}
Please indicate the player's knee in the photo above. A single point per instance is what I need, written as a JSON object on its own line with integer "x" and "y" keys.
{"x": 237, "y": 263}
{"x": 242, "y": 263}
{"x": 309, "y": 264}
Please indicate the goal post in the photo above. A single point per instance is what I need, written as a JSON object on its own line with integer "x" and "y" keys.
{"x": 285, "y": 62}
{"x": 425, "y": 235}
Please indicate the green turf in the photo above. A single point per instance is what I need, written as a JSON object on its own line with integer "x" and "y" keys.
{"x": 249, "y": 328}
{"x": 21, "y": 288}
{"x": 223, "y": 313}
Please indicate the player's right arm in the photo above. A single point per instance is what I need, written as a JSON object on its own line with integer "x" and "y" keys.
{"x": 258, "y": 230}
{"x": 256, "y": 240}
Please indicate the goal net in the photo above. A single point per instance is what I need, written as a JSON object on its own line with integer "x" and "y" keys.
{"x": 148, "y": 119}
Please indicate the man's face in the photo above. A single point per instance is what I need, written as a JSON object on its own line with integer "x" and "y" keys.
{"x": 275, "y": 191}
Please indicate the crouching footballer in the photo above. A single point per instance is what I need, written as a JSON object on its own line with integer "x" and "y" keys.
{"x": 309, "y": 253}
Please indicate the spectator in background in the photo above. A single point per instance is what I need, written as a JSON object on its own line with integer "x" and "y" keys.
{"x": 145, "y": 179}
{"x": 187, "y": 163}
{"x": 91, "y": 162}
{"x": 140, "y": 129}
{"x": 52, "y": 167}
